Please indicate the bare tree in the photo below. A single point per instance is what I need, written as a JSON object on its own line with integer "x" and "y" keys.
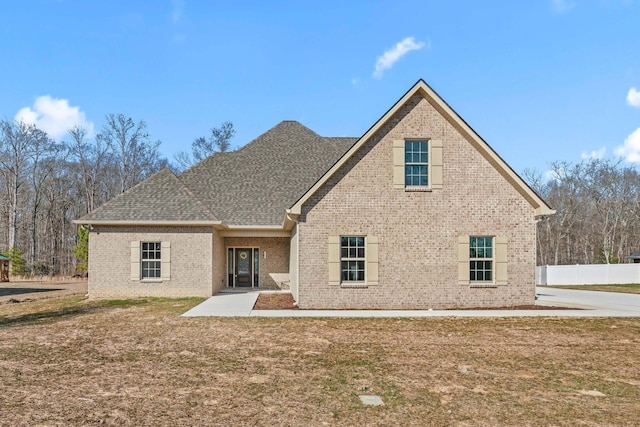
{"x": 19, "y": 142}
{"x": 598, "y": 212}
{"x": 44, "y": 154}
{"x": 91, "y": 161}
{"x": 135, "y": 156}
{"x": 201, "y": 147}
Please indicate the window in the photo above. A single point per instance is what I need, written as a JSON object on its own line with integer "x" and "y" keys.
{"x": 352, "y": 261}
{"x": 416, "y": 164}
{"x": 348, "y": 266}
{"x": 481, "y": 259}
{"x": 151, "y": 260}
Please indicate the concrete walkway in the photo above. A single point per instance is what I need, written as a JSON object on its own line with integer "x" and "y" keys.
{"x": 226, "y": 304}
{"x": 587, "y": 304}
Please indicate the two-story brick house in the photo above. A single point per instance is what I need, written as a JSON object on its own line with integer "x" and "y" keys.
{"x": 417, "y": 213}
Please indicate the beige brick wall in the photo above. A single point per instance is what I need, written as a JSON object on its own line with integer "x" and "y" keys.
{"x": 277, "y": 260}
{"x": 110, "y": 260}
{"x": 293, "y": 263}
{"x": 219, "y": 263}
{"x": 417, "y": 231}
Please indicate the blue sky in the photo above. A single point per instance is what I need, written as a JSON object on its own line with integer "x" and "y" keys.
{"x": 540, "y": 80}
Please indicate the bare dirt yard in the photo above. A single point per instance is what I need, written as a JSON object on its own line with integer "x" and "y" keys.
{"x": 34, "y": 289}
{"x": 138, "y": 363}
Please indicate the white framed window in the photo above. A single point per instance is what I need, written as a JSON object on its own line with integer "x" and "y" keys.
{"x": 481, "y": 259}
{"x": 416, "y": 163}
{"x": 352, "y": 259}
{"x": 151, "y": 260}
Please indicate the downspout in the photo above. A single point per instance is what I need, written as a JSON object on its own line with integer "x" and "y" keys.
{"x": 289, "y": 216}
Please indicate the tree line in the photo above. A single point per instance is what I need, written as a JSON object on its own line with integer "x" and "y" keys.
{"x": 597, "y": 218}
{"x": 47, "y": 184}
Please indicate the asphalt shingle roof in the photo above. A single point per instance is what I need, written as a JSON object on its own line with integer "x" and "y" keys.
{"x": 255, "y": 184}
{"x": 161, "y": 197}
{"x": 251, "y": 186}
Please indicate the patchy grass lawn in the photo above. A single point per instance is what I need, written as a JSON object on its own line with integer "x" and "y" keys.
{"x": 138, "y": 363}
{"x": 632, "y": 288}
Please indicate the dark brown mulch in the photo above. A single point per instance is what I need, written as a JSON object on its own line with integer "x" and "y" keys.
{"x": 275, "y": 302}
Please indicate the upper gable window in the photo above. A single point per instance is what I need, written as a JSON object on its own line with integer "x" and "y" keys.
{"x": 416, "y": 163}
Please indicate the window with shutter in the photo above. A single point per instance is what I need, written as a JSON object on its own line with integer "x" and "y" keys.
{"x": 353, "y": 261}
{"x": 150, "y": 260}
{"x": 482, "y": 260}
{"x": 417, "y": 164}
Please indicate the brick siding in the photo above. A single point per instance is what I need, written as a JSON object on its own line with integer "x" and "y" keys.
{"x": 417, "y": 231}
{"x": 110, "y": 261}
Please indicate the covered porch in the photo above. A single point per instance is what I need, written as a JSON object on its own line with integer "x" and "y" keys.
{"x": 257, "y": 262}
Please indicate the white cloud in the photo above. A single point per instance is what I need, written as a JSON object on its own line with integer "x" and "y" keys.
{"x": 633, "y": 97}
{"x": 391, "y": 56}
{"x": 630, "y": 151}
{"x": 177, "y": 21}
{"x": 595, "y": 154}
{"x": 562, "y": 6}
{"x": 54, "y": 116}
{"x": 177, "y": 10}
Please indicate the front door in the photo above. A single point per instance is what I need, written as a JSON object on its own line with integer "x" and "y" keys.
{"x": 243, "y": 267}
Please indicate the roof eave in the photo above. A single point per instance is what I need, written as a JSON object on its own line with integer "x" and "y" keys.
{"x": 544, "y": 211}
{"x": 146, "y": 222}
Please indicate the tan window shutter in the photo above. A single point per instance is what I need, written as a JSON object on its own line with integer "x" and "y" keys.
{"x": 398, "y": 163}
{"x": 165, "y": 255}
{"x": 334, "y": 260}
{"x": 135, "y": 260}
{"x": 463, "y": 260}
{"x": 501, "y": 260}
{"x": 436, "y": 164}
{"x": 372, "y": 260}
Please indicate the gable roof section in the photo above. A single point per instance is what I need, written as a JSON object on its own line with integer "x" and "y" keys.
{"x": 254, "y": 185}
{"x": 540, "y": 206}
{"x": 160, "y": 199}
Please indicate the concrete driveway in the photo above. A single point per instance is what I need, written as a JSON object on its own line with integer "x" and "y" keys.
{"x": 593, "y": 303}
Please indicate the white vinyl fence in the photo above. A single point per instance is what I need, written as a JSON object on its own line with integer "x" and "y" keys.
{"x": 591, "y": 274}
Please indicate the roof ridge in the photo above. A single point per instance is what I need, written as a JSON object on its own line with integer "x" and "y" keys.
{"x": 195, "y": 197}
